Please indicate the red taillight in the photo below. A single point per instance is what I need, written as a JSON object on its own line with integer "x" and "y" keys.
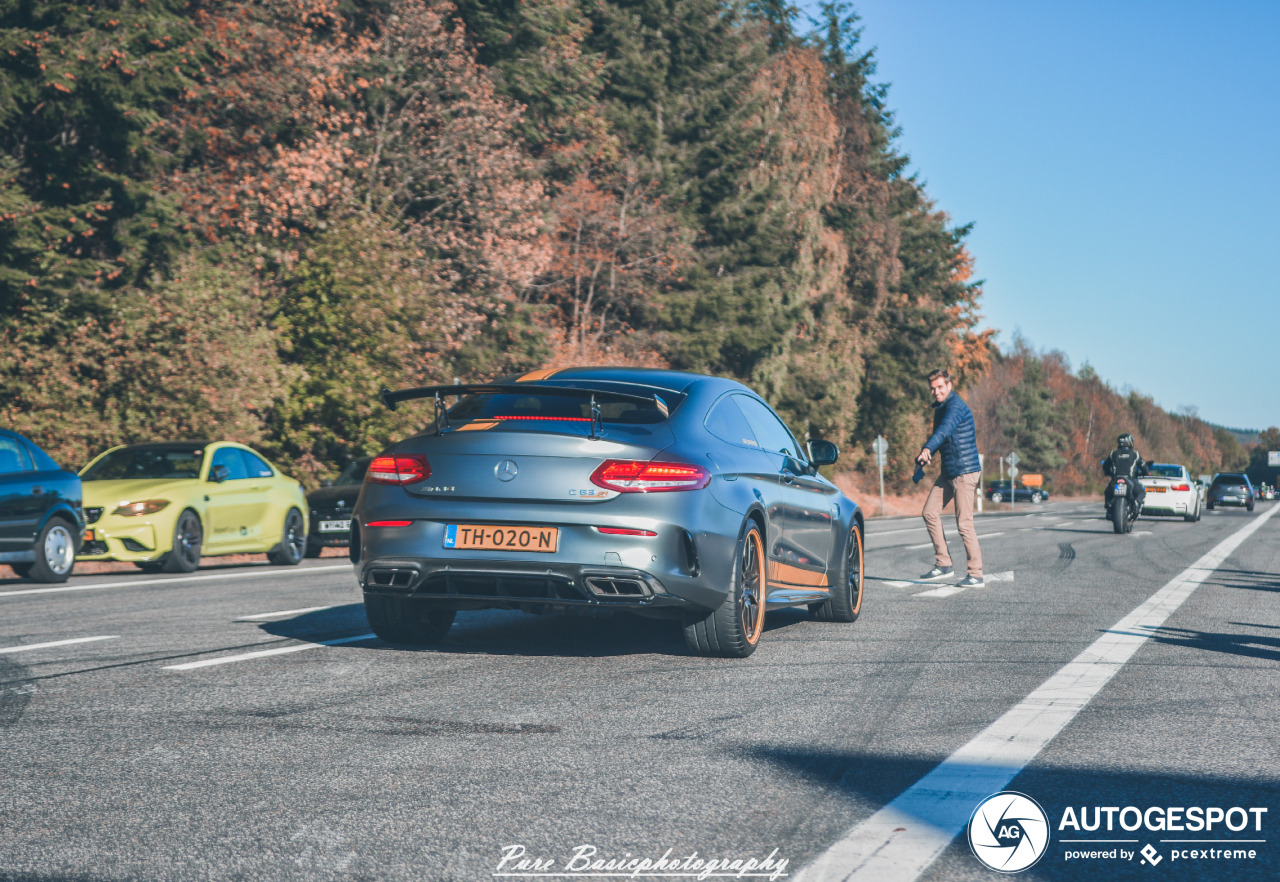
{"x": 1183, "y": 487}
{"x": 388, "y": 523}
{"x": 631, "y": 476}
{"x": 398, "y": 470}
{"x": 623, "y": 531}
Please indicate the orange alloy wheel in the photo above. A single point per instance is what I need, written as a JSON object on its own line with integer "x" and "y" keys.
{"x": 753, "y": 586}
{"x": 853, "y": 570}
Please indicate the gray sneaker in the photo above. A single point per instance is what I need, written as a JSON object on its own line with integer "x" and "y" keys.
{"x": 971, "y": 582}
{"x": 937, "y": 573}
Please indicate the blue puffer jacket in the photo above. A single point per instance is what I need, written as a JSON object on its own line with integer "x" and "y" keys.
{"x": 953, "y": 435}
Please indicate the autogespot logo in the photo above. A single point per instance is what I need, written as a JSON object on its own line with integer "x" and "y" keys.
{"x": 1009, "y": 832}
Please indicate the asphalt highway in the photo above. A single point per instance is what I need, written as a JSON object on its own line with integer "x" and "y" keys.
{"x": 242, "y": 723}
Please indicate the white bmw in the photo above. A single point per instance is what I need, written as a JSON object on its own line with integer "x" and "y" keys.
{"x": 1171, "y": 491}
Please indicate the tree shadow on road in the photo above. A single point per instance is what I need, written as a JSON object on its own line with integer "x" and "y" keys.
{"x": 870, "y": 780}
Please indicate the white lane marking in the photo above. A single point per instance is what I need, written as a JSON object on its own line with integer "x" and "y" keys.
{"x": 284, "y": 612}
{"x": 901, "y": 840}
{"x": 256, "y": 573}
{"x": 1063, "y": 524}
{"x": 948, "y": 590}
{"x": 914, "y": 547}
{"x": 57, "y": 643}
{"x": 262, "y": 653}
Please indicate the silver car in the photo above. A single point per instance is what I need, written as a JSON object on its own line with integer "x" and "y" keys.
{"x": 655, "y": 492}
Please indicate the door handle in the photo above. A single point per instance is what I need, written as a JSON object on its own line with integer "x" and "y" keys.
{"x": 788, "y": 476}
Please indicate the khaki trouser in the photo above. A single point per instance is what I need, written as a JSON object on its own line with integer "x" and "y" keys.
{"x": 963, "y": 489}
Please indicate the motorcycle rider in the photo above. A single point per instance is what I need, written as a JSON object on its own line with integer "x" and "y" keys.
{"x": 1126, "y": 462}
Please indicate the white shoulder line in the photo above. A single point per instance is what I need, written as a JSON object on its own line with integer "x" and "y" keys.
{"x": 900, "y": 841}
{"x": 261, "y": 653}
{"x": 255, "y": 573}
{"x": 57, "y": 643}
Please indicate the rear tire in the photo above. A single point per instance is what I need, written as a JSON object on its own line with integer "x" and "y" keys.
{"x": 1249, "y": 506}
{"x": 997, "y": 497}
{"x": 314, "y": 549}
{"x": 1118, "y": 519}
{"x": 1035, "y": 497}
{"x": 846, "y": 588}
{"x": 733, "y": 629}
{"x": 1209, "y": 506}
{"x": 55, "y": 552}
{"x": 397, "y": 620}
{"x": 293, "y": 542}
{"x": 188, "y": 540}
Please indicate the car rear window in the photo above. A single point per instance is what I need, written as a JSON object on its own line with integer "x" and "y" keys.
{"x": 1221, "y": 480}
{"x": 538, "y": 408}
{"x": 148, "y": 463}
{"x": 1166, "y": 471}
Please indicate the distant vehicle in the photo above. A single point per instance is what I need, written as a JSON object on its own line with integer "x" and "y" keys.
{"x": 1004, "y": 491}
{"x": 331, "y": 508}
{"x": 1268, "y": 492}
{"x": 163, "y": 505}
{"x": 1171, "y": 491}
{"x": 656, "y": 492}
{"x": 41, "y": 523}
{"x": 1230, "y": 489}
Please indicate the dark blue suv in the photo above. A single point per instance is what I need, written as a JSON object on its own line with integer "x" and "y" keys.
{"x": 41, "y": 521}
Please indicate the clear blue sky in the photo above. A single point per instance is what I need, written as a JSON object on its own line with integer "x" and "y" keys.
{"x": 1121, "y": 164}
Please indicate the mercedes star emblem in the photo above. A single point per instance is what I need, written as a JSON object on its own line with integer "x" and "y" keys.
{"x": 505, "y": 470}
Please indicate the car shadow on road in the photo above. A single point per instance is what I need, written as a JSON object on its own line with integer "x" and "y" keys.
{"x": 511, "y": 632}
{"x": 871, "y": 780}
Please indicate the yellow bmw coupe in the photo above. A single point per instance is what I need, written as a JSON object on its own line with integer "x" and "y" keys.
{"x": 163, "y": 505}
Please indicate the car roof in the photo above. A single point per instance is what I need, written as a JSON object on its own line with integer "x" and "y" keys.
{"x": 140, "y": 445}
{"x": 675, "y": 382}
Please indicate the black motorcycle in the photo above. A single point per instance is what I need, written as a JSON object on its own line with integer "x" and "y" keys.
{"x": 1122, "y": 503}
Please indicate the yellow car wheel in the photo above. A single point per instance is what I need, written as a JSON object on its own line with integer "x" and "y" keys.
{"x": 188, "y": 539}
{"x": 293, "y": 542}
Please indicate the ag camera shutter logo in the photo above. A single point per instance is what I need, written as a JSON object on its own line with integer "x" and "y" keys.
{"x": 1009, "y": 832}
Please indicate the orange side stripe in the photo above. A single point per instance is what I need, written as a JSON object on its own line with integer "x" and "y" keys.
{"x": 786, "y": 574}
{"x": 478, "y": 426}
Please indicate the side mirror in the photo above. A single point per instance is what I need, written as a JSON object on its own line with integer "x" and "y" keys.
{"x": 219, "y": 473}
{"x": 822, "y": 453}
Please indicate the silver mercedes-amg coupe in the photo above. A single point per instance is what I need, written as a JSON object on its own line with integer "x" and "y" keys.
{"x": 650, "y": 491}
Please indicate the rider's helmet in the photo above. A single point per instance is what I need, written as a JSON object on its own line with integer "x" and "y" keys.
{"x": 1125, "y": 440}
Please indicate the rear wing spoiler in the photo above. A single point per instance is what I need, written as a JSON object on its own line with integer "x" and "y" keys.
{"x": 392, "y": 399}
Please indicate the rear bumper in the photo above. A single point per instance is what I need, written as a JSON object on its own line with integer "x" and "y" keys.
{"x": 677, "y": 567}
{"x": 1174, "y": 503}
{"x": 485, "y": 584}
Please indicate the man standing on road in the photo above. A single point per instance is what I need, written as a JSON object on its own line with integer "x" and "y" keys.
{"x": 954, "y": 438}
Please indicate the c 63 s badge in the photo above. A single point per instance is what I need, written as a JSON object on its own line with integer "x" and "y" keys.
{"x": 439, "y": 488}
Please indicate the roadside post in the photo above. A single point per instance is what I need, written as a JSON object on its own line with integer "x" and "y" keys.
{"x": 1014, "y": 459}
{"x": 881, "y": 448}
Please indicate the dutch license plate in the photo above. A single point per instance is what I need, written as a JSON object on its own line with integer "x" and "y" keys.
{"x": 1157, "y": 489}
{"x": 487, "y": 537}
{"x": 335, "y": 526}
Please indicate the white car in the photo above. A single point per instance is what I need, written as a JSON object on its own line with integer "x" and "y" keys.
{"x": 1170, "y": 490}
